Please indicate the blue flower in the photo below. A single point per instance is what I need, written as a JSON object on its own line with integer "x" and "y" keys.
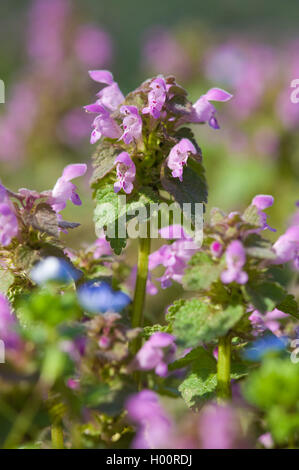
{"x": 99, "y": 297}
{"x": 262, "y": 346}
{"x": 53, "y": 269}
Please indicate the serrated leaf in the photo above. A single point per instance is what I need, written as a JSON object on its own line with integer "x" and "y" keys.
{"x": 150, "y": 330}
{"x": 103, "y": 159}
{"x": 6, "y": 280}
{"x": 113, "y": 212}
{"x": 201, "y": 383}
{"x": 202, "y": 272}
{"x": 173, "y": 309}
{"x": 199, "y": 321}
{"x": 264, "y": 296}
{"x": 117, "y": 244}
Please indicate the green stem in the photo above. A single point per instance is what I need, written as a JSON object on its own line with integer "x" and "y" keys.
{"x": 140, "y": 289}
{"x": 223, "y": 368}
{"x": 24, "y": 420}
{"x": 57, "y": 435}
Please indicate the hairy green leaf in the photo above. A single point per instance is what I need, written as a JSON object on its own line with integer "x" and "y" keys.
{"x": 199, "y": 321}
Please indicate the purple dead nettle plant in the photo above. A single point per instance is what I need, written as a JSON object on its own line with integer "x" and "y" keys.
{"x": 146, "y": 151}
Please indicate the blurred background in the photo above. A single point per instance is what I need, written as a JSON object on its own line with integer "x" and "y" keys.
{"x": 251, "y": 49}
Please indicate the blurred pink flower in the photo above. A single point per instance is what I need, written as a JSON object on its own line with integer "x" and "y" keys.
{"x": 235, "y": 260}
{"x": 162, "y": 53}
{"x": 47, "y": 26}
{"x": 173, "y": 257}
{"x": 287, "y": 247}
{"x": 269, "y": 321}
{"x": 8, "y": 325}
{"x": 219, "y": 428}
{"x": 158, "y": 351}
{"x": 153, "y": 425}
{"x": 93, "y": 46}
{"x": 8, "y": 220}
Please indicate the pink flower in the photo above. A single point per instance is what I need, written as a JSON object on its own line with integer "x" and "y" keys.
{"x": 8, "y": 220}
{"x": 246, "y": 69}
{"x": 178, "y": 157}
{"x": 156, "y": 353}
{"x": 153, "y": 425}
{"x": 219, "y": 427}
{"x": 173, "y": 257}
{"x": 111, "y": 97}
{"x": 266, "y": 440}
{"x": 287, "y": 111}
{"x": 204, "y": 111}
{"x": 164, "y": 54}
{"x": 156, "y": 98}
{"x": 101, "y": 247}
{"x": 287, "y": 247}
{"x": 8, "y": 325}
{"x": 93, "y": 46}
{"x": 64, "y": 190}
{"x": 103, "y": 124}
{"x": 269, "y": 321}
{"x": 132, "y": 124}
{"x": 262, "y": 202}
{"x": 235, "y": 260}
{"x": 47, "y": 26}
{"x": 126, "y": 171}
{"x": 216, "y": 248}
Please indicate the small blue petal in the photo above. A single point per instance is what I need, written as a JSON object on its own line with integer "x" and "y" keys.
{"x": 120, "y": 301}
{"x": 53, "y": 269}
{"x": 264, "y": 345}
{"x": 99, "y": 297}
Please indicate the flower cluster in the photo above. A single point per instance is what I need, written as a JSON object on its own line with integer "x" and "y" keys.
{"x": 174, "y": 257}
{"x": 14, "y": 216}
{"x": 153, "y": 112}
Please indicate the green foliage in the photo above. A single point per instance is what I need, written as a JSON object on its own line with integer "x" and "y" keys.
{"x": 202, "y": 272}
{"x": 258, "y": 247}
{"x": 110, "y": 214}
{"x": 198, "y": 320}
{"x": 289, "y": 305}
{"x": 264, "y": 296}
{"x": 48, "y": 308}
{"x": 193, "y": 188}
{"x": 201, "y": 382}
{"x": 6, "y": 280}
{"x": 274, "y": 388}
